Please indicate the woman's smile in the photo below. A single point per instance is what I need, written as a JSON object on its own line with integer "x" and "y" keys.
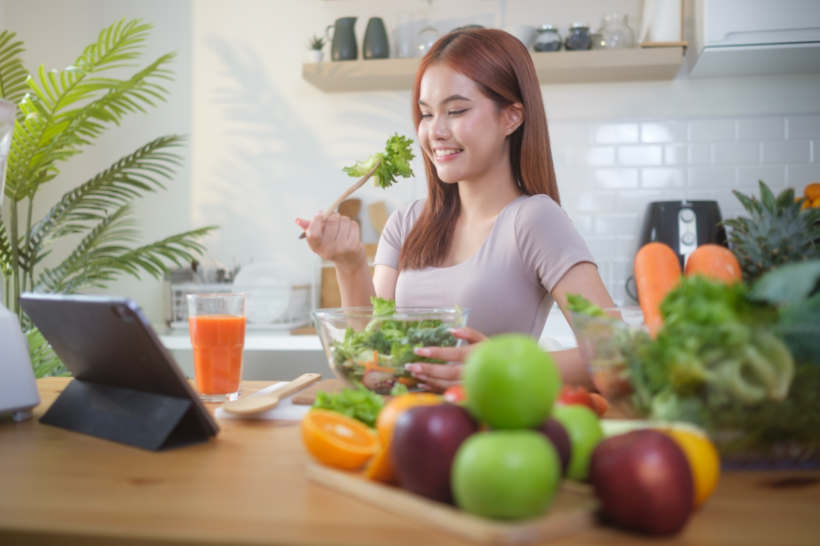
{"x": 443, "y": 155}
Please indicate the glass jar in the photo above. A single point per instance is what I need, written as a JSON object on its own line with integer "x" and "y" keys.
{"x": 578, "y": 37}
{"x": 615, "y": 32}
{"x": 547, "y": 39}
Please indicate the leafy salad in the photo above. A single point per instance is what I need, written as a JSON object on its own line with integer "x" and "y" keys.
{"x": 376, "y": 354}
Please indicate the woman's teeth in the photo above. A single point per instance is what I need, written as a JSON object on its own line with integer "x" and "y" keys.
{"x": 444, "y": 153}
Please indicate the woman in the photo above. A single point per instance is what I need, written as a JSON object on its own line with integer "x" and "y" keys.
{"x": 491, "y": 235}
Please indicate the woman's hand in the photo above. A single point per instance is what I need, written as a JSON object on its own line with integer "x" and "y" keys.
{"x": 437, "y": 377}
{"x": 335, "y": 238}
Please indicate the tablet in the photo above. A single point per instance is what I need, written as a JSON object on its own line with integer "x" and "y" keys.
{"x": 107, "y": 341}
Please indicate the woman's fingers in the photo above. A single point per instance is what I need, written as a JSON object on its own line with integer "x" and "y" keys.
{"x": 448, "y": 354}
{"x": 470, "y": 335}
{"x": 435, "y": 377}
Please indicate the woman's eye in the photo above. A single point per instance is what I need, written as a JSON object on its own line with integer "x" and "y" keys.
{"x": 424, "y": 116}
{"x": 457, "y": 112}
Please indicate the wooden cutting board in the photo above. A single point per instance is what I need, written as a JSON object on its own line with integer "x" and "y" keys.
{"x": 572, "y": 510}
{"x": 307, "y": 396}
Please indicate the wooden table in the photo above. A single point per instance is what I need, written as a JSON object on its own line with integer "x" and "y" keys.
{"x": 247, "y": 486}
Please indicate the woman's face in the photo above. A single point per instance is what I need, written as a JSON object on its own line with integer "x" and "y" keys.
{"x": 462, "y": 131}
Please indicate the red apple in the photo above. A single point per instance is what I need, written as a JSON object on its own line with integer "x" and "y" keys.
{"x": 424, "y": 444}
{"x": 643, "y": 481}
{"x": 557, "y": 434}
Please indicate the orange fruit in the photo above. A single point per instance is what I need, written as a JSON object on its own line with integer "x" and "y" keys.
{"x": 386, "y": 421}
{"x": 380, "y": 468}
{"x": 703, "y": 459}
{"x": 338, "y": 440}
{"x": 812, "y": 191}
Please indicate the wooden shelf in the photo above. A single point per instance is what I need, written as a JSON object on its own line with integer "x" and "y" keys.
{"x": 600, "y": 65}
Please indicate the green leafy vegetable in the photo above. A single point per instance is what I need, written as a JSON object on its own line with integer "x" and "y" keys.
{"x": 579, "y": 304}
{"x": 358, "y": 403}
{"x": 376, "y": 354}
{"x": 393, "y": 162}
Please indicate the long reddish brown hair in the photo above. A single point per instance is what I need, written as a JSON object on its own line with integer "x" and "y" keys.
{"x": 502, "y": 68}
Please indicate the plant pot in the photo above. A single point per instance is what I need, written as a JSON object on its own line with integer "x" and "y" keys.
{"x": 316, "y": 55}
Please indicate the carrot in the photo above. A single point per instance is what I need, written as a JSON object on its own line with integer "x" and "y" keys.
{"x": 657, "y": 271}
{"x": 715, "y": 262}
{"x": 373, "y": 365}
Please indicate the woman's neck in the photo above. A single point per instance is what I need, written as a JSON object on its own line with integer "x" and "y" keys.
{"x": 483, "y": 199}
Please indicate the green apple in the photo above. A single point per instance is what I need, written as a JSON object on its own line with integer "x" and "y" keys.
{"x": 584, "y": 431}
{"x": 505, "y": 474}
{"x": 510, "y": 382}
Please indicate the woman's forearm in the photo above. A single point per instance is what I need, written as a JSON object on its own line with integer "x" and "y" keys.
{"x": 572, "y": 367}
{"x": 355, "y": 282}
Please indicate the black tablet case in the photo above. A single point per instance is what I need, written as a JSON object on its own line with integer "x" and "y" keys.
{"x": 127, "y": 386}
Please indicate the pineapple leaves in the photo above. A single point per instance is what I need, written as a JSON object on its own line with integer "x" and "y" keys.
{"x": 12, "y": 72}
{"x": 777, "y": 231}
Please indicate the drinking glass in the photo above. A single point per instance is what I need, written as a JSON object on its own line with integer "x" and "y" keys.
{"x": 217, "y": 326}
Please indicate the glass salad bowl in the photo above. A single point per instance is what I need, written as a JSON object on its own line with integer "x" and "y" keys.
{"x": 759, "y": 413}
{"x": 371, "y": 349}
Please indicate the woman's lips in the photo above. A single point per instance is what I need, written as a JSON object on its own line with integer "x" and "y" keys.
{"x": 443, "y": 155}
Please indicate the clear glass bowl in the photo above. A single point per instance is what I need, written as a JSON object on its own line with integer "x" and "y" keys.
{"x": 372, "y": 350}
{"x": 766, "y": 433}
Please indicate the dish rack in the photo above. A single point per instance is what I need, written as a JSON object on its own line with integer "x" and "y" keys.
{"x": 295, "y": 313}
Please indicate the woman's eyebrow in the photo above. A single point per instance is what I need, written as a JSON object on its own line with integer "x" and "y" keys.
{"x": 451, "y": 98}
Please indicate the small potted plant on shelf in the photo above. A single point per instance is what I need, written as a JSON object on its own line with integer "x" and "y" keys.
{"x": 315, "y": 46}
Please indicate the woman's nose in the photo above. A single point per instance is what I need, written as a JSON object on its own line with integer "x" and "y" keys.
{"x": 440, "y": 127}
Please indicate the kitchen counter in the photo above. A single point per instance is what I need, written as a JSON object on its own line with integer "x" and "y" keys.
{"x": 248, "y": 486}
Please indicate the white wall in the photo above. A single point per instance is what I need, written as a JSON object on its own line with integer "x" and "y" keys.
{"x": 267, "y": 146}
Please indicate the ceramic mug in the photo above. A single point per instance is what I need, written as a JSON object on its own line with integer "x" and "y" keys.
{"x": 342, "y": 39}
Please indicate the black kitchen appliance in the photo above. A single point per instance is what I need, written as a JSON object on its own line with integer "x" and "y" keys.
{"x": 683, "y": 225}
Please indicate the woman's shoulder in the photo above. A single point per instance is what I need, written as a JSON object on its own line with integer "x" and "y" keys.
{"x": 409, "y": 212}
{"x": 538, "y": 208}
{"x": 402, "y": 219}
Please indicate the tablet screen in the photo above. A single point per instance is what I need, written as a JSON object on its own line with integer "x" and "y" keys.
{"x": 108, "y": 340}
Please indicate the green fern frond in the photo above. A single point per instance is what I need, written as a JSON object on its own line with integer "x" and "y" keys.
{"x": 114, "y": 187}
{"x": 115, "y": 227}
{"x": 12, "y": 72}
{"x": 100, "y": 257}
{"x": 5, "y": 250}
{"x": 68, "y": 109}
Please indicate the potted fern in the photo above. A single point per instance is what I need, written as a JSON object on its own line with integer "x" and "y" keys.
{"x": 61, "y": 113}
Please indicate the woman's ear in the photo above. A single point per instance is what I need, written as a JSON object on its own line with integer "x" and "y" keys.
{"x": 513, "y": 117}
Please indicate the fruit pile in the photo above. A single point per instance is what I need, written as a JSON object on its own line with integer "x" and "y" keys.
{"x": 505, "y": 440}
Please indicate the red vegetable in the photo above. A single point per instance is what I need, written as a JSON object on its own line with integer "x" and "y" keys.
{"x": 455, "y": 394}
{"x": 580, "y": 395}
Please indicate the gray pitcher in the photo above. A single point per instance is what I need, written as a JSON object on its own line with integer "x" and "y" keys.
{"x": 375, "y": 40}
{"x": 343, "y": 42}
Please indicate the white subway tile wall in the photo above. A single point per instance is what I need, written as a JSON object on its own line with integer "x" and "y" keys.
{"x": 609, "y": 172}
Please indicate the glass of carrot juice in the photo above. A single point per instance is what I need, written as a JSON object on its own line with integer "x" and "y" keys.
{"x": 217, "y": 326}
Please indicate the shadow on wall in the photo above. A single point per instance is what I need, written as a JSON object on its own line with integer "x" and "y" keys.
{"x": 251, "y": 187}
{"x": 270, "y": 165}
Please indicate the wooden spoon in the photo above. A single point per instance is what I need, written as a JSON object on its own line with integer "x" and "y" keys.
{"x": 249, "y": 405}
{"x": 355, "y": 186}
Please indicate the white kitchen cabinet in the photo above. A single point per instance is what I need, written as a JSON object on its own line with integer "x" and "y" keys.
{"x": 744, "y": 37}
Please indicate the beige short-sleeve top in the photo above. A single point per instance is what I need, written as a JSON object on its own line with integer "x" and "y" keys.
{"x": 507, "y": 283}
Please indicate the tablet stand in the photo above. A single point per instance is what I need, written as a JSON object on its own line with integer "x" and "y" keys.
{"x": 141, "y": 419}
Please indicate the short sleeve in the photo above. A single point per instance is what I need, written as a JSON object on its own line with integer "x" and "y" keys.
{"x": 395, "y": 230}
{"x": 548, "y": 241}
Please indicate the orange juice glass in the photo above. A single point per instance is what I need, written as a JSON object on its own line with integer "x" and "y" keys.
{"x": 217, "y": 326}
